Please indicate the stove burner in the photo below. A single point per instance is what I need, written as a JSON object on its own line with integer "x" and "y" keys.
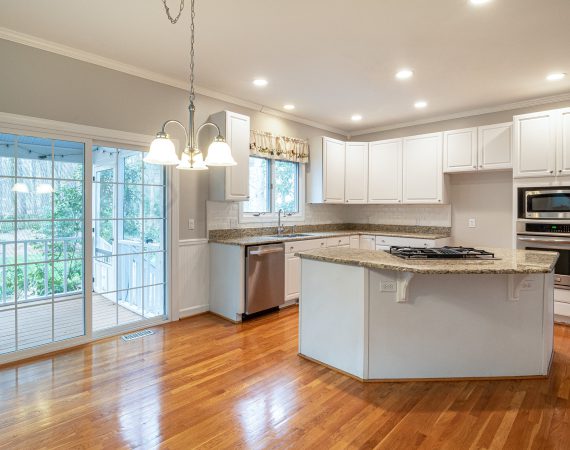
{"x": 440, "y": 253}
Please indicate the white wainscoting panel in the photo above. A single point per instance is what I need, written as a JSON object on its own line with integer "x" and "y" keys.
{"x": 192, "y": 277}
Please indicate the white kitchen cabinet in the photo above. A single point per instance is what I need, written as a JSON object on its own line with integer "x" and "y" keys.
{"x": 292, "y": 276}
{"x": 232, "y": 183}
{"x": 367, "y": 242}
{"x": 356, "y": 172}
{"x": 534, "y": 144}
{"x": 460, "y": 150}
{"x": 494, "y": 150}
{"x": 326, "y": 171}
{"x": 563, "y": 143}
{"x": 342, "y": 241}
{"x": 385, "y": 171}
{"x": 423, "y": 171}
{"x": 474, "y": 149}
{"x": 355, "y": 241}
{"x": 293, "y": 264}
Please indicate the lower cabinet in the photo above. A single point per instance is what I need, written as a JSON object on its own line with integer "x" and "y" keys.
{"x": 292, "y": 276}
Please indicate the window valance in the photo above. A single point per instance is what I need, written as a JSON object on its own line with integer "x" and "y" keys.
{"x": 267, "y": 145}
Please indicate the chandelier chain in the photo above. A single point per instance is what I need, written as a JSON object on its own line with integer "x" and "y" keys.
{"x": 173, "y": 20}
{"x": 192, "y": 16}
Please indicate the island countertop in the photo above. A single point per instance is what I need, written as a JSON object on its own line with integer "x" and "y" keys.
{"x": 508, "y": 261}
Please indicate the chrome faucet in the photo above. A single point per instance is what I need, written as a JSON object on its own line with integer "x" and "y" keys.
{"x": 280, "y": 228}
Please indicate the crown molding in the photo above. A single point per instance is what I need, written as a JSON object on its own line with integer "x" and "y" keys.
{"x": 70, "y": 52}
{"x": 474, "y": 112}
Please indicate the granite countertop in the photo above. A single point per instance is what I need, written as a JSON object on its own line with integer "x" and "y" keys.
{"x": 270, "y": 239}
{"x": 509, "y": 261}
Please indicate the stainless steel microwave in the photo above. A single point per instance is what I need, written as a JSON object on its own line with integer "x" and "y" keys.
{"x": 547, "y": 203}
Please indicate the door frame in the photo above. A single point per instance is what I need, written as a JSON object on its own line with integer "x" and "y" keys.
{"x": 33, "y": 126}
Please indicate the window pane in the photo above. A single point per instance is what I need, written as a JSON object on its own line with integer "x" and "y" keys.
{"x": 68, "y": 160}
{"x": 132, "y": 166}
{"x": 7, "y": 153}
{"x": 132, "y": 201}
{"x": 7, "y": 197}
{"x": 258, "y": 186}
{"x": 34, "y": 241}
{"x": 34, "y": 199}
{"x": 7, "y": 243}
{"x": 68, "y": 200}
{"x": 68, "y": 240}
{"x": 153, "y": 201}
{"x": 34, "y": 157}
{"x": 286, "y": 186}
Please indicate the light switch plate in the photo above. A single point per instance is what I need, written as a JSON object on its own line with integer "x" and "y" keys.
{"x": 191, "y": 224}
{"x": 472, "y": 223}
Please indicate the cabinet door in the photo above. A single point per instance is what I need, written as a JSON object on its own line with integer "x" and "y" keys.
{"x": 563, "y": 143}
{"x": 495, "y": 147}
{"x": 367, "y": 242}
{"x": 333, "y": 170}
{"x": 385, "y": 171}
{"x": 356, "y": 172}
{"x": 237, "y": 177}
{"x": 423, "y": 171}
{"x": 292, "y": 277}
{"x": 355, "y": 241}
{"x": 460, "y": 150}
{"x": 534, "y": 145}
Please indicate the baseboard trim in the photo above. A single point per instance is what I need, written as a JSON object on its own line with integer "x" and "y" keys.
{"x": 193, "y": 311}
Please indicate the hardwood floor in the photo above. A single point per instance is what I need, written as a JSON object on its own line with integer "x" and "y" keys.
{"x": 203, "y": 382}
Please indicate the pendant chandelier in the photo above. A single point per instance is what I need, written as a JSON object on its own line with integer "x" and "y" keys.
{"x": 162, "y": 151}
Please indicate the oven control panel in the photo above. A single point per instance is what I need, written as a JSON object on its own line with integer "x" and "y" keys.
{"x": 547, "y": 228}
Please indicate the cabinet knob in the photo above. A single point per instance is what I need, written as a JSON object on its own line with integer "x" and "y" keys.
{"x": 474, "y": 167}
{"x": 552, "y": 171}
{"x": 439, "y": 200}
{"x": 559, "y": 170}
{"x": 481, "y": 166}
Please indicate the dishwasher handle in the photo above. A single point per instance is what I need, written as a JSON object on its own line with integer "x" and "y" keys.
{"x": 267, "y": 251}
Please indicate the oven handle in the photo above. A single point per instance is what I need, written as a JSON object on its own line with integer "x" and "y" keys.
{"x": 544, "y": 240}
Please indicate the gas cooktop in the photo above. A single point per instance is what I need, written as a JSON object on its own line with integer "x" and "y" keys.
{"x": 440, "y": 253}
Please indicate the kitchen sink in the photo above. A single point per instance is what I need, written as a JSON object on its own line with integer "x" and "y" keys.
{"x": 292, "y": 235}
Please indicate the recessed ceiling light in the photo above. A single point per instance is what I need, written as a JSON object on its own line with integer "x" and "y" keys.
{"x": 356, "y": 117}
{"x": 260, "y": 82}
{"x": 557, "y": 76}
{"x": 289, "y": 107}
{"x": 404, "y": 74}
{"x": 420, "y": 104}
{"x": 479, "y": 2}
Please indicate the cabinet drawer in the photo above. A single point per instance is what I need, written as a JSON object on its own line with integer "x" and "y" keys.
{"x": 303, "y": 246}
{"x": 338, "y": 241}
{"x": 387, "y": 241}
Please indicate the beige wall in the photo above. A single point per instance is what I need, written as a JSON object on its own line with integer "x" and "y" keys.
{"x": 486, "y": 197}
{"x": 41, "y": 84}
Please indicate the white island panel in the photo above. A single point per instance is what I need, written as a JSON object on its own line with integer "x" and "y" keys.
{"x": 332, "y": 323}
{"x": 456, "y": 326}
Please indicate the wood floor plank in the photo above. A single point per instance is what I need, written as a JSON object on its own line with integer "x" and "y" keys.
{"x": 206, "y": 383}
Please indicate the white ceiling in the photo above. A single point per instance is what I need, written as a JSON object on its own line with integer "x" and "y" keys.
{"x": 331, "y": 58}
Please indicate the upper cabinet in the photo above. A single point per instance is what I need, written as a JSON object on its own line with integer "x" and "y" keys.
{"x": 326, "y": 171}
{"x": 460, "y": 150}
{"x": 385, "y": 171}
{"x": 356, "y": 172}
{"x": 542, "y": 144}
{"x": 495, "y": 146}
{"x": 422, "y": 164}
{"x": 482, "y": 148}
{"x": 232, "y": 183}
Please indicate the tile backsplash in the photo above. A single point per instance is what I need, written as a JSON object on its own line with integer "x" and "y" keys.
{"x": 225, "y": 215}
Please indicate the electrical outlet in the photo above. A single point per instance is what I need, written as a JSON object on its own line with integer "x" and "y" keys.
{"x": 472, "y": 223}
{"x": 528, "y": 285}
{"x": 233, "y": 223}
{"x": 191, "y": 224}
{"x": 388, "y": 286}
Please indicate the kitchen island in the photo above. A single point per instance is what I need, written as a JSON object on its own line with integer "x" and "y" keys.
{"x": 377, "y": 317}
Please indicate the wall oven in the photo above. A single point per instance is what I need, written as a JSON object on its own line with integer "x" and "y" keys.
{"x": 544, "y": 203}
{"x": 549, "y": 237}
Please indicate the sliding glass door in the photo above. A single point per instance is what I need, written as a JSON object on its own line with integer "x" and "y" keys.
{"x": 83, "y": 247}
{"x": 129, "y": 250}
{"x": 42, "y": 269}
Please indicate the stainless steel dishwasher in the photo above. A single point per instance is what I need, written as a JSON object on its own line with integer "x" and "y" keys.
{"x": 265, "y": 277}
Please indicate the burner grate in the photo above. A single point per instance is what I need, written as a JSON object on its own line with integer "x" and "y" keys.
{"x": 440, "y": 253}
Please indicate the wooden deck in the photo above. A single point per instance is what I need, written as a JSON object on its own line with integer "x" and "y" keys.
{"x": 35, "y": 322}
{"x": 204, "y": 382}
